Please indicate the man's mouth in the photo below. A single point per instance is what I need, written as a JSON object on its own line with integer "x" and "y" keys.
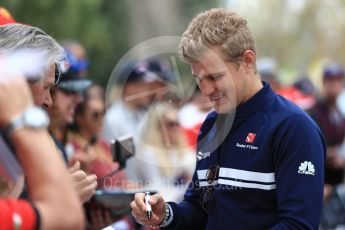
{"x": 217, "y": 99}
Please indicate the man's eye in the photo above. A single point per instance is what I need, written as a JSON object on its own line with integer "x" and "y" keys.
{"x": 216, "y": 78}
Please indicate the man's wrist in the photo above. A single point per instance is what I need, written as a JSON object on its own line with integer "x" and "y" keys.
{"x": 33, "y": 118}
{"x": 168, "y": 216}
{"x": 167, "y": 219}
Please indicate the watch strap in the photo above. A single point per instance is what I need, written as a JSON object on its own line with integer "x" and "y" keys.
{"x": 16, "y": 123}
{"x": 167, "y": 219}
{"x": 37, "y": 120}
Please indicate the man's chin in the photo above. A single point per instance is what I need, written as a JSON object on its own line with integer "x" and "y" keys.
{"x": 224, "y": 109}
{"x": 221, "y": 110}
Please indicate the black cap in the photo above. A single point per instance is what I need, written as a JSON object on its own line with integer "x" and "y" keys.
{"x": 70, "y": 82}
{"x": 140, "y": 71}
{"x": 158, "y": 67}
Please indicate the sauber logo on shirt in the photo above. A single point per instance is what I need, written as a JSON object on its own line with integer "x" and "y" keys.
{"x": 306, "y": 168}
{"x": 250, "y": 138}
{"x": 244, "y": 146}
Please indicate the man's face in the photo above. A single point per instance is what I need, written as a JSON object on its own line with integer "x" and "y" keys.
{"x": 41, "y": 89}
{"x": 92, "y": 118}
{"x": 332, "y": 87}
{"x": 64, "y": 106}
{"x": 224, "y": 83}
{"x": 137, "y": 94}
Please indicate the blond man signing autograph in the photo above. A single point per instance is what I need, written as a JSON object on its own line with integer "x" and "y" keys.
{"x": 266, "y": 170}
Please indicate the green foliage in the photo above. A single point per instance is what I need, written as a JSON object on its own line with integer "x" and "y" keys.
{"x": 102, "y": 26}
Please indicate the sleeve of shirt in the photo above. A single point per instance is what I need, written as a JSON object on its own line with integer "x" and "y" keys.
{"x": 18, "y": 214}
{"x": 188, "y": 214}
{"x": 299, "y": 152}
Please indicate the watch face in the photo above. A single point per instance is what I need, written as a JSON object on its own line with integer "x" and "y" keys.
{"x": 36, "y": 118}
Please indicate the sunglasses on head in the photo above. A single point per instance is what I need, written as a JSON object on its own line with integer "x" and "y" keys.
{"x": 61, "y": 67}
{"x": 58, "y": 73}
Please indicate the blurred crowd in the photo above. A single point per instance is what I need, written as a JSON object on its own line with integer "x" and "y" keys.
{"x": 164, "y": 127}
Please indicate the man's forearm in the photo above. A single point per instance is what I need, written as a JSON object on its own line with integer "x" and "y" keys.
{"x": 47, "y": 177}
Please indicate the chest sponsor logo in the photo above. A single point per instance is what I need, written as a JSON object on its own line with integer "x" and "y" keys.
{"x": 250, "y": 138}
{"x": 246, "y": 146}
{"x": 200, "y": 155}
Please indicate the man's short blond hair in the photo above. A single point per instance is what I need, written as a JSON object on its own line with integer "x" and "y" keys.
{"x": 217, "y": 27}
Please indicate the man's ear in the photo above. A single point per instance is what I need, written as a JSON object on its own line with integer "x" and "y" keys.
{"x": 249, "y": 59}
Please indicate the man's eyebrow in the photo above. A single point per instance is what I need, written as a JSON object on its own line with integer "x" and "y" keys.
{"x": 209, "y": 75}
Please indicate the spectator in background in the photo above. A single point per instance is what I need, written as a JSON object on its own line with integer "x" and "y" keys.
{"x": 163, "y": 159}
{"x": 77, "y": 56}
{"x": 332, "y": 123}
{"x": 16, "y": 37}
{"x": 87, "y": 144}
{"x": 305, "y": 85}
{"x": 268, "y": 70}
{"x": 140, "y": 87}
{"x": 305, "y": 95}
{"x": 192, "y": 115}
{"x": 161, "y": 77}
{"x": 93, "y": 152}
{"x": 66, "y": 95}
{"x": 54, "y": 204}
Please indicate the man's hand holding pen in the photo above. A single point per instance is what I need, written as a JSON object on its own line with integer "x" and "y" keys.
{"x": 141, "y": 210}
{"x": 148, "y": 205}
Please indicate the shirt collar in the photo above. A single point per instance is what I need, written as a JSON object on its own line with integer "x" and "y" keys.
{"x": 262, "y": 97}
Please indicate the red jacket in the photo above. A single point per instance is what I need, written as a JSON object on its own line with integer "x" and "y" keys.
{"x": 17, "y": 215}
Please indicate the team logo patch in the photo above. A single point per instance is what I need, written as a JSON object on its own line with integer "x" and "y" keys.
{"x": 201, "y": 155}
{"x": 306, "y": 168}
{"x": 250, "y": 137}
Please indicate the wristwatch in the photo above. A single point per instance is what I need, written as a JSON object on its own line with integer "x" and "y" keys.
{"x": 167, "y": 219}
{"x": 32, "y": 118}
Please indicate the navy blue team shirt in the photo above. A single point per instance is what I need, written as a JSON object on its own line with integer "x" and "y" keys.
{"x": 271, "y": 170}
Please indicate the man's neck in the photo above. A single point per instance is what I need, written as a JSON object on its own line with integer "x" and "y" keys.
{"x": 59, "y": 131}
{"x": 254, "y": 87}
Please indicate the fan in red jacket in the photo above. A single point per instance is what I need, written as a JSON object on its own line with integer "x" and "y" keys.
{"x": 18, "y": 214}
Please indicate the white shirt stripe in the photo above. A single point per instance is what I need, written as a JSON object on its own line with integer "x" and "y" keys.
{"x": 247, "y": 185}
{"x": 201, "y": 174}
{"x": 239, "y": 184}
{"x": 246, "y": 175}
{"x": 240, "y": 175}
